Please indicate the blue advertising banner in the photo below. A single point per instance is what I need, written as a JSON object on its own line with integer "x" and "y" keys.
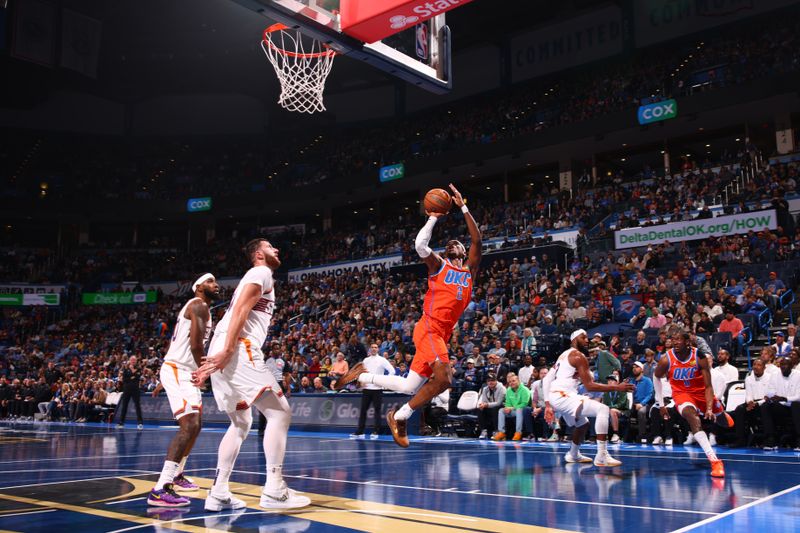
{"x": 626, "y": 306}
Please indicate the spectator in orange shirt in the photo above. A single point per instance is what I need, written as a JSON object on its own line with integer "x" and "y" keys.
{"x": 340, "y": 367}
{"x": 734, "y": 326}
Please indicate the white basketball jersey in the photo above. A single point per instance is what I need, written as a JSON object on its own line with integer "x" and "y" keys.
{"x": 566, "y": 380}
{"x": 256, "y": 326}
{"x": 180, "y": 349}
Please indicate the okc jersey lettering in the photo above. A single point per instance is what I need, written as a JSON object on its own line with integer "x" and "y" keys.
{"x": 685, "y": 376}
{"x": 449, "y": 293}
{"x": 454, "y": 277}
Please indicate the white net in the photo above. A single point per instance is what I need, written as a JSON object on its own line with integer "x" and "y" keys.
{"x": 302, "y": 68}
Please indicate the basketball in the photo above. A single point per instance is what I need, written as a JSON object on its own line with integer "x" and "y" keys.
{"x": 438, "y": 201}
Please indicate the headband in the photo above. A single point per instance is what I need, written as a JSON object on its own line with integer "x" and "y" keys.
{"x": 577, "y": 333}
{"x": 202, "y": 279}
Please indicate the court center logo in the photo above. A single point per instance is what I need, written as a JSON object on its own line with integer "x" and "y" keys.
{"x": 326, "y": 410}
{"x": 399, "y": 22}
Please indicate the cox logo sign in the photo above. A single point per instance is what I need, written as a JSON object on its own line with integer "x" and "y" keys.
{"x": 392, "y": 172}
{"x": 659, "y": 111}
{"x": 198, "y": 204}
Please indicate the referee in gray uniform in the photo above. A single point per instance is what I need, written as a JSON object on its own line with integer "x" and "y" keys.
{"x": 372, "y": 394}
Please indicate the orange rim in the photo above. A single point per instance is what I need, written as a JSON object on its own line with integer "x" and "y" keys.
{"x": 281, "y": 27}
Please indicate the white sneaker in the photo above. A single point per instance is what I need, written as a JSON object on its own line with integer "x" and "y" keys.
{"x": 140, "y": 426}
{"x": 373, "y": 436}
{"x": 605, "y": 460}
{"x": 658, "y": 441}
{"x": 580, "y": 458}
{"x": 484, "y": 435}
{"x": 614, "y": 439}
{"x": 553, "y": 437}
{"x": 689, "y": 440}
{"x": 356, "y": 435}
{"x": 219, "y": 502}
{"x": 712, "y": 439}
{"x": 282, "y": 498}
{"x": 668, "y": 442}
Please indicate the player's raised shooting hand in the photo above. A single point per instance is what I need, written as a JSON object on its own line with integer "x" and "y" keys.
{"x": 434, "y": 214}
{"x": 457, "y": 198}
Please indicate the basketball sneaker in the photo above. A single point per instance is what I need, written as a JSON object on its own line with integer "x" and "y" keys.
{"x": 605, "y": 459}
{"x": 219, "y": 502}
{"x": 166, "y": 497}
{"x": 658, "y": 441}
{"x": 282, "y": 498}
{"x": 184, "y": 484}
{"x": 351, "y": 376}
{"x": 717, "y": 469}
{"x": 580, "y": 458}
{"x": 398, "y": 428}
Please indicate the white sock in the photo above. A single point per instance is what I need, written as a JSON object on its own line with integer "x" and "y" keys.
{"x": 602, "y": 447}
{"x": 220, "y": 485}
{"x": 167, "y": 474}
{"x": 702, "y": 440}
{"x": 181, "y": 466}
{"x": 404, "y": 413}
{"x": 574, "y": 450}
{"x": 274, "y": 476}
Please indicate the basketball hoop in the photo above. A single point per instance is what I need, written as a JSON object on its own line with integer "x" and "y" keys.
{"x": 302, "y": 73}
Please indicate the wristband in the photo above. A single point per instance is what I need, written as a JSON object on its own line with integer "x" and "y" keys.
{"x": 464, "y": 209}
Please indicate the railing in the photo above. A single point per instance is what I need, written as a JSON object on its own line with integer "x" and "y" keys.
{"x": 786, "y": 300}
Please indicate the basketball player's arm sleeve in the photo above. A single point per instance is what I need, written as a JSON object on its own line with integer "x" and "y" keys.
{"x": 548, "y": 379}
{"x": 424, "y": 237}
{"x": 658, "y": 388}
{"x": 659, "y": 391}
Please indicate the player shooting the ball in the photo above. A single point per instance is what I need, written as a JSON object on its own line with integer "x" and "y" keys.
{"x": 450, "y": 280}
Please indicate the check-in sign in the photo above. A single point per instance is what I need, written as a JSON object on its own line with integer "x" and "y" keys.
{"x": 657, "y": 112}
{"x": 194, "y": 205}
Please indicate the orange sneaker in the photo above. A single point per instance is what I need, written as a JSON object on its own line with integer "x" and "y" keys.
{"x": 717, "y": 469}
{"x": 499, "y": 436}
{"x": 517, "y": 436}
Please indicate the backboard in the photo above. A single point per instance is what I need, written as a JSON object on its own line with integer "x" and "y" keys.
{"x": 418, "y": 54}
